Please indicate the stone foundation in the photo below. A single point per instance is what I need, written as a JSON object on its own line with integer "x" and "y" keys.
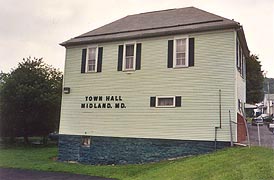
{"x": 114, "y": 150}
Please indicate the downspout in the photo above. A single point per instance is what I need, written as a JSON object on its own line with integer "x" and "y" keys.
{"x": 220, "y": 108}
{"x": 220, "y": 118}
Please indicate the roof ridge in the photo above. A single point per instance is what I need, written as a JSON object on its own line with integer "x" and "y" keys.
{"x": 160, "y": 11}
{"x": 217, "y": 15}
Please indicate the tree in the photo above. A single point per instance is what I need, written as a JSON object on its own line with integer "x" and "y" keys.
{"x": 30, "y": 99}
{"x": 254, "y": 80}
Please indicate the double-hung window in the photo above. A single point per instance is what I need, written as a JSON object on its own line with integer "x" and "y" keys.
{"x": 92, "y": 56}
{"x": 129, "y": 57}
{"x": 180, "y": 52}
{"x": 240, "y": 57}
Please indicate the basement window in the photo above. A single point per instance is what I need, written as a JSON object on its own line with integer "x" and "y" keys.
{"x": 86, "y": 141}
{"x": 165, "y": 101}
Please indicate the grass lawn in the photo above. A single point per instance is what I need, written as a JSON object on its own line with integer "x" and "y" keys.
{"x": 232, "y": 164}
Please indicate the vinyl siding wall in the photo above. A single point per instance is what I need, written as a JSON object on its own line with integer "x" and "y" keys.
{"x": 198, "y": 86}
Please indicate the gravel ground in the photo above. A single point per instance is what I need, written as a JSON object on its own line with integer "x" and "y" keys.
{"x": 20, "y": 174}
{"x": 267, "y": 137}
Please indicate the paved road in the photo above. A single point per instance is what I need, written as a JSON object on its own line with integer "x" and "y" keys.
{"x": 267, "y": 138}
{"x": 18, "y": 174}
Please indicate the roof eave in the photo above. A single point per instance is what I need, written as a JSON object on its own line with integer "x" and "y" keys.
{"x": 143, "y": 34}
{"x": 242, "y": 39}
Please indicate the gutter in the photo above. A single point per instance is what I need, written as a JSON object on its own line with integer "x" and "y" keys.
{"x": 241, "y": 35}
{"x": 143, "y": 34}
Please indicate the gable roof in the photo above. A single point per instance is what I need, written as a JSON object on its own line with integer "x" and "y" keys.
{"x": 157, "y": 23}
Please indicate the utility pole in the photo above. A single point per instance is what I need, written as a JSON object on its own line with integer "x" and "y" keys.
{"x": 268, "y": 98}
{"x": 259, "y": 134}
{"x": 268, "y": 95}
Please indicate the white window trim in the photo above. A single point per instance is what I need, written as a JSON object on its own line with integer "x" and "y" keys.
{"x": 157, "y": 97}
{"x": 134, "y": 56}
{"x": 96, "y": 58}
{"x": 174, "y": 51}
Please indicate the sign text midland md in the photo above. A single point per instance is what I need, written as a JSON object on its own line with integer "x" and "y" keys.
{"x": 103, "y": 102}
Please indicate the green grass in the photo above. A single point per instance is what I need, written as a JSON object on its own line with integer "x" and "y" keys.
{"x": 232, "y": 164}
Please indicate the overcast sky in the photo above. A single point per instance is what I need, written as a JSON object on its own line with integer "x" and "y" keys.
{"x": 36, "y": 27}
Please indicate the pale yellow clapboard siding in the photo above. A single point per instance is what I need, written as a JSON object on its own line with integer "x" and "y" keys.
{"x": 241, "y": 85}
{"x": 214, "y": 69}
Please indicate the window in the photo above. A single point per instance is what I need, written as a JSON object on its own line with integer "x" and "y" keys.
{"x": 240, "y": 58}
{"x": 244, "y": 68}
{"x": 180, "y": 52}
{"x": 239, "y": 55}
{"x": 129, "y": 57}
{"x": 242, "y": 64}
{"x": 165, "y": 101}
{"x": 240, "y": 105}
{"x": 237, "y": 52}
{"x": 91, "y": 59}
{"x": 85, "y": 141}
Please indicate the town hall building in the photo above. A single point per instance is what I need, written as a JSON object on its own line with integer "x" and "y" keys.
{"x": 153, "y": 86}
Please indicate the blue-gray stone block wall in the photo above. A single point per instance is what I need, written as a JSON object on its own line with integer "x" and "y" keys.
{"x": 69, "y": 147}
{"x": 114, "y": 150}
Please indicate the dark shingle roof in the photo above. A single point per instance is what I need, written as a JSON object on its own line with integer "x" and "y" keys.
{"x": 157, "y": 23}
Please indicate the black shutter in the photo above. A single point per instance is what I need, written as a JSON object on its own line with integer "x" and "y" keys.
{"x": 191, "y": 52}
{"x": 152, "y": 101}
{"x": 83, "y": 64}
{"x": 100, "y": 57}
{"x": 240, "y": 59}
{"x": 237, "y": 53}
{"x": 138, "y": 56}
{"x": 120, "y": 58}
{"x": 178, "y": 101}
{"x": 170, "y": 54}
{"x": 244, "y": 68}
{"x": 242, "y": 63}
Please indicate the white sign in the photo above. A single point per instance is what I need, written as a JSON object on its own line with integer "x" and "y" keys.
{"x": 271, "y": 125}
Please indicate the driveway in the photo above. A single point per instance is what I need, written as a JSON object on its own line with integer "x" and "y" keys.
{"x": 20, "y": 174}
{"x": 267, "y": 137}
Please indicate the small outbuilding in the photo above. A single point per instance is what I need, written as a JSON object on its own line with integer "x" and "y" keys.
{"x": 269, "y": 104}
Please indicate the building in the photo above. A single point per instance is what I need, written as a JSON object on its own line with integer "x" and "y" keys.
{"x": 269, "y": 104}
{"x": 153, "y": 86}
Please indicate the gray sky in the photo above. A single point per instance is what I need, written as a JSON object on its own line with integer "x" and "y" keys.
{"x": 35, "y": 28}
